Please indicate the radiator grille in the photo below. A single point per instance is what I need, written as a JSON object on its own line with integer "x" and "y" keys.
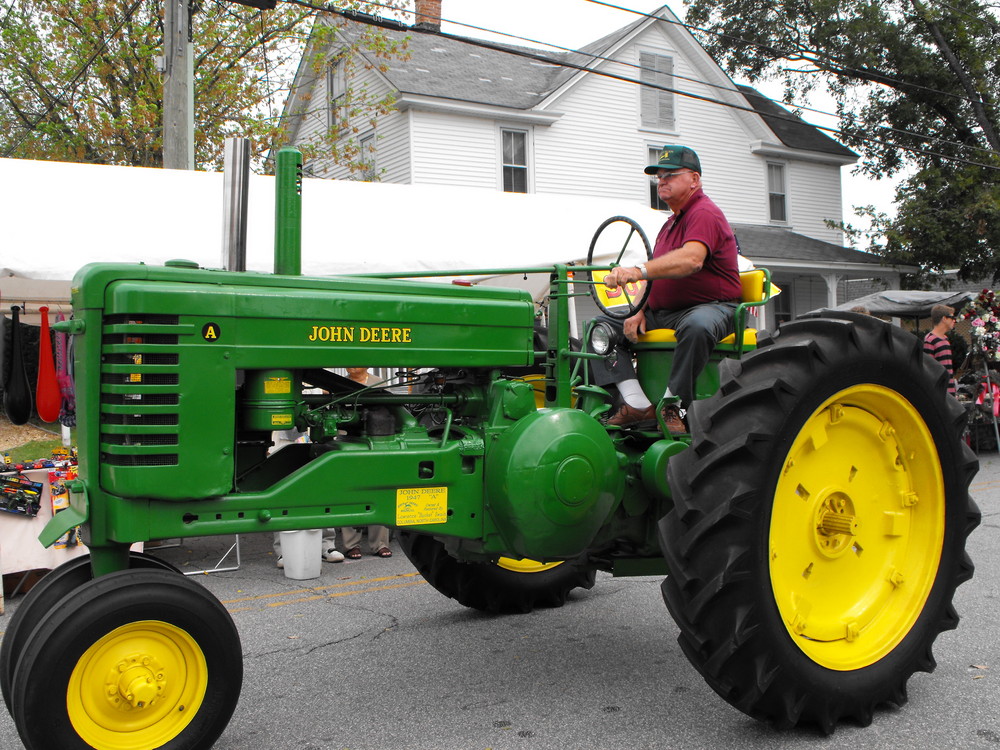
{"x": 161, "y": 459}
{"x": 139, "y": 380}
{"x": 154, "y": 439}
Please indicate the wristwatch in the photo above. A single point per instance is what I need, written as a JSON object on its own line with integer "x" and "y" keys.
{"x": 642, "y": 268}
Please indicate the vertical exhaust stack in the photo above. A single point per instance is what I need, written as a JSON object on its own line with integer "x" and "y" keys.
{"x": 236, "y": 166}
{"x": 288, "y": 213}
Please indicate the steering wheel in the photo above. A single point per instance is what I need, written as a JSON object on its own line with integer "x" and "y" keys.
{"x": 619, "y": 241}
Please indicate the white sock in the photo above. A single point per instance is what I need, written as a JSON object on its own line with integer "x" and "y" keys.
{"x": 632, "y": 394}
{"x": 668, "y": 396}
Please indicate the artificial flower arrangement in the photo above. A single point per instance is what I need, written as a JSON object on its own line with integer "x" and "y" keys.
{"x": 983, "y": 313}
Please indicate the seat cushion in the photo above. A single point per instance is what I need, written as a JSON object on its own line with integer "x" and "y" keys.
{"x": 669, "y": 336}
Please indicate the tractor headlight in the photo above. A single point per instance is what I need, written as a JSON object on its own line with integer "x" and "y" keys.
{"x": 602, "y": 338}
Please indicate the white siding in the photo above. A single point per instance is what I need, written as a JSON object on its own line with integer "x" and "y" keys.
{"x": 600, "y": 137}
{"x": 392, "y": 146}
{"x": 451, "y": 149}
{"x": 814, "y": 195}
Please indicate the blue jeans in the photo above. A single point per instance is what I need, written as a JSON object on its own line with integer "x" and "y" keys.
{"x": 698, "y": 328}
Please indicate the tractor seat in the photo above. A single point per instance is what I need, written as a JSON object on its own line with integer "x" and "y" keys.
{"x": 756, "y": 289}
{"x": 669, "y": 336}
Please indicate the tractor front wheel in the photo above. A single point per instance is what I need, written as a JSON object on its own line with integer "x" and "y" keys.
{"x": 819, "y": 526}
{"x": 508, "y": 586}
{"x": 45, "y": 597}
{"x": 133, "y": 660}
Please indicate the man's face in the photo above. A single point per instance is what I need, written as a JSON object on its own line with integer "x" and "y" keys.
{"x": 675, "y": 185}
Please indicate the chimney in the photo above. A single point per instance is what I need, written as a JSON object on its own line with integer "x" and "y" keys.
{"x": 428, "y": 15}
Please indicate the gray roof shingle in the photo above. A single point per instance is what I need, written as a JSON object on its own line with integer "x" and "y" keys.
{"x": 758, "y": 241}
{"x": 790, "y": 128}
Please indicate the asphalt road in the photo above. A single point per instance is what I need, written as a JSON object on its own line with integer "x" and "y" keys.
{"x": 369, "y": 657}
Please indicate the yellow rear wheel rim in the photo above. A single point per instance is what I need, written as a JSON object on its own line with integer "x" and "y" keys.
{"x": 137, "y": 687}
{"x": 857, "y": 527}
{"x": 525, "y": 565}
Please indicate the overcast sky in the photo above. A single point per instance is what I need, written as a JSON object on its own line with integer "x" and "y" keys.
{"x": 575, "y": 23}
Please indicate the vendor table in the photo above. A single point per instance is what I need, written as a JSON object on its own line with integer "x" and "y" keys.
{"x": 20, "y": 549}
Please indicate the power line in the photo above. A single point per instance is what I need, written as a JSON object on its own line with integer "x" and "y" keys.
{"x": 398, "y": 26}
{"x": 881, "y": 77}
{"x": 789, "y": 118}
{"x": 992, "y": 24}
{"x": 3, "y": 23}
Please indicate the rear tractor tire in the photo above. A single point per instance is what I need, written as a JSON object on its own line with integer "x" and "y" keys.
{"x": 507, "y": 587}
{"x": 820, "y": 519}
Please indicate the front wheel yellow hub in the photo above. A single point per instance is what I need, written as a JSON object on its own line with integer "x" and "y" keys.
{"x": 137, "y": 687}
{"x": 857, "y": 527}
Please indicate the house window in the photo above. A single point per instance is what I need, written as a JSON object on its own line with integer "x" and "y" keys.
{"x": 514, "y": 161}
{"x": 366, "y": 158}
{"x": 656, "y": 104}
{"x": 777, "y": 201}
{"x": 336, "y": 95}
{"x": 654, "y": 197}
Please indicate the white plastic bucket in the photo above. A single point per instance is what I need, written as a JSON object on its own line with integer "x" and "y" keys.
{"x": 301, "y": 553}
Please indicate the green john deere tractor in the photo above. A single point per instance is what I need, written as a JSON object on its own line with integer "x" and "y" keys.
{"x": 811, "y": 527}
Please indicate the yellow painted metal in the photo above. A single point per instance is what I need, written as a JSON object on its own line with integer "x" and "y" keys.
{"x": 138, "y": 687}
{"x": 621, "y": 296}
{"x": 524, "y": 565}
{"x": 857, "y": 527}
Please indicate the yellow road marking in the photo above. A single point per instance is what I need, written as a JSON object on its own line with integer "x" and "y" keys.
{"x": 326, "y": 592}
{"x": 345, "y": 593}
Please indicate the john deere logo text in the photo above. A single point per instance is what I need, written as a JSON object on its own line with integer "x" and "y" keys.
{"x": 361, "y": 334}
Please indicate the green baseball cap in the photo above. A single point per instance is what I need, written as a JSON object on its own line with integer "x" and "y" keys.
{"x": 675, "y": 157}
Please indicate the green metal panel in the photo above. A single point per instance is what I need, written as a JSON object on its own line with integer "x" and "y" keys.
{"x": 351, "y": 484}
{"x": 172, "y": 343}
{"x": 653, "y": 369}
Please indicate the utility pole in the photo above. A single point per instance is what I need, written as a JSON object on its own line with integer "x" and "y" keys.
{"x": 178, "y": 86}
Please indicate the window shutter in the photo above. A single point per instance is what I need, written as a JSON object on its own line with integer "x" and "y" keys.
{"x": 657, "y": 106}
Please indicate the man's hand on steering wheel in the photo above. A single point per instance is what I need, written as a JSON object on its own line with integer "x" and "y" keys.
{"x": 621, "y": 275}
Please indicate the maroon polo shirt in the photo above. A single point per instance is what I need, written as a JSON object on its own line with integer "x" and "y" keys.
{"x": 719, "y": 277}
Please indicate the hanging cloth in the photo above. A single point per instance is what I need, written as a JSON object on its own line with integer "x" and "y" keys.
{"x": 16, "y": 389}
{"x": 64, "y": 376}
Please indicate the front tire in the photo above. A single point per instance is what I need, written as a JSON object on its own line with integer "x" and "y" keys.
{"x": 507, "y": 587}
{"x": 43, "y": 598}
{"x": 819, "y": 526}
{"x": 134, "y": 660}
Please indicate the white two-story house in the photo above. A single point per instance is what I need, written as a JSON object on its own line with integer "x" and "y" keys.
{"x": 487, "y": 116}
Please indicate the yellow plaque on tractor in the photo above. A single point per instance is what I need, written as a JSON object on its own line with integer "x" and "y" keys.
{"x": 416, "y": 506}
{"x": 619, "y": 296}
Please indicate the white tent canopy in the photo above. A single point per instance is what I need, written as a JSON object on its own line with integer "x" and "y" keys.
{"x": 61, "y": 216}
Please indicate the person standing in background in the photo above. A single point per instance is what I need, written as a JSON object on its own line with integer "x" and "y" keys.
{"x": 378, "y": 536}
{"x": 936, "y": 341}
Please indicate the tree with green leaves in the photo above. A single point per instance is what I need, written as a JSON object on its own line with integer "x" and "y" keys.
{"x": 80, "y": 80}
{"x": 915, "y": 83}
